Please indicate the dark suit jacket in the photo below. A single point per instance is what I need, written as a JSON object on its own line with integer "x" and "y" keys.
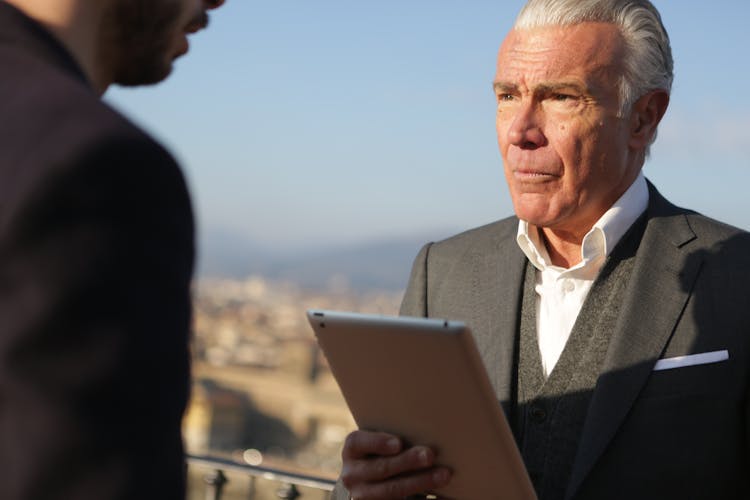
{"x": 682, "y": 433}
{"x": 96, "y": 256}
{"x": 672, "y": 434}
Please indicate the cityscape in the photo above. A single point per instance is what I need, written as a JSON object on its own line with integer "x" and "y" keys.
{"x": 262, "y": 391}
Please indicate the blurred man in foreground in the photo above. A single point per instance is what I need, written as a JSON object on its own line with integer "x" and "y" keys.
{"x": 614, "y": 325}
{"x": 96, "y": 254}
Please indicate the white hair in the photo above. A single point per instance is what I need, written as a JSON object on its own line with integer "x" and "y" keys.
{"x": 647, "y": 62}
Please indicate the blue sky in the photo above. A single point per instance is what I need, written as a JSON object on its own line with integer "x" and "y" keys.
{"x": 311, "y": 124}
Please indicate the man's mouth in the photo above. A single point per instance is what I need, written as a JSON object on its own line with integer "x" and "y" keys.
{"x": 532, "y": 171}
{"x": 529, "y": 174}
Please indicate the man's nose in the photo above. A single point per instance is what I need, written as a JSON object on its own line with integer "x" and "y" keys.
{"x": 213, "y": 4}
{"x": 526, "y": 130}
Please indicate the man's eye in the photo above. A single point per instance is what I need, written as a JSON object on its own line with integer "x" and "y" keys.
{"x": 563, "y": 97}
{"x": 504, "y": 97}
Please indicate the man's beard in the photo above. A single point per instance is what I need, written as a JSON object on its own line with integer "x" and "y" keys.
{"x": 137, "y": 37}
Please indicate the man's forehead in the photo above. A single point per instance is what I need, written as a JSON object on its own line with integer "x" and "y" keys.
{"x": 593, "y": 31}
{"x": 573, "y": 53}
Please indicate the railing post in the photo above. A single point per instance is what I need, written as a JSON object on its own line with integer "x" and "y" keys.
{"x": 251, "y": 489}
{"x": 288, "y": 492}
{"x": 215, "y": 484}
{"x": 216, "y": 480}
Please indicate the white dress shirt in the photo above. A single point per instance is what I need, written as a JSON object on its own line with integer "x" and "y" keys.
{"x": 560, "y": 291}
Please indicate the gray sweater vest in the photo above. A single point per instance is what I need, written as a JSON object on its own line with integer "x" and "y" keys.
{"x": 550, "y": 413}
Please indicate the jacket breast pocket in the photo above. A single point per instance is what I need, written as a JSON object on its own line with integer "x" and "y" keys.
{"x": 694, "y": 380}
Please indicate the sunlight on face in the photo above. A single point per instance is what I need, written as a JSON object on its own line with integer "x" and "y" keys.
{"x": 564, "y": 149}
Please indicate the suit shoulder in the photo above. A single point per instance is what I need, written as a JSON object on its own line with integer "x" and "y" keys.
{"x": 55, "y": 128}
{"x": 712, "y": 229}
{"x": 49, "y": 113}
{"x": 703, "y": 236}
{"x": 683, "y": 224}
{"x": 479, "y": 238}
{"x": 61, "y": 145}
{"x": 721, "y": 242}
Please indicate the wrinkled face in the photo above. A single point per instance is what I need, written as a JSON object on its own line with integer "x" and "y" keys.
{"x": 565, "y": 151}
{"x": 144, "y": 37}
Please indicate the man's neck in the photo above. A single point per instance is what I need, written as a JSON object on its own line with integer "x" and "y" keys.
{"x": 563, "y": 248}
{"x": 75, "y": 23}
{"x": 564, "y": 245}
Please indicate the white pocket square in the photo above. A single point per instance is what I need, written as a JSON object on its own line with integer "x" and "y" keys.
{"x": 703, "y": 358}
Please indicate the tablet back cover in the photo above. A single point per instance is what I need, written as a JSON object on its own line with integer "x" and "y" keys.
{"x": 424, "y": 380}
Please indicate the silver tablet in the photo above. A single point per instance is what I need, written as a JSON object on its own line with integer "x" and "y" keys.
{"x": 424, "y": 380}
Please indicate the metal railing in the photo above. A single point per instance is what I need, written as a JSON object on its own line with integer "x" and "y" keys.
{"x": 215, "y": 478}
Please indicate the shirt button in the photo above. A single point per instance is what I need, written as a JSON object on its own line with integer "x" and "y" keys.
{"x": 538, "y": 414}
{"x": 569, "y": 286}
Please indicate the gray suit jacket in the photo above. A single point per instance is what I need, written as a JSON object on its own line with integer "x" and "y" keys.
{"x": 678, "y": 433}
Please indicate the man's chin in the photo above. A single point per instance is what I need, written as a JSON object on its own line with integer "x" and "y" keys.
{"x": 144, "y": 75}
{"x": 539, "y": 216}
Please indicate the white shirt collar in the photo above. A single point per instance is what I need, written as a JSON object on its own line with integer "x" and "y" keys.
{"x": 603, "y": 236}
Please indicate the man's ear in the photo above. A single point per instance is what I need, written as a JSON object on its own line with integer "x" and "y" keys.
{"x": 645, "y": 117}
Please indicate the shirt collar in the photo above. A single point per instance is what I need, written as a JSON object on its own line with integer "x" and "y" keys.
{"x": 603, "y": 236}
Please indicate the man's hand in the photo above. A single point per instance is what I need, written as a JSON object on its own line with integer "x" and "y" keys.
{"x": 377, "y": 466}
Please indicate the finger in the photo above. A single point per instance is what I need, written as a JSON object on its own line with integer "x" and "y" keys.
{"x": 380, "y": 468}
{"x": 403, "y": 486}
{"x": 360, "y": 444}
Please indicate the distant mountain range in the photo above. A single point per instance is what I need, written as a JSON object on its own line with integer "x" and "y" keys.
{"x": 381, "y": 265}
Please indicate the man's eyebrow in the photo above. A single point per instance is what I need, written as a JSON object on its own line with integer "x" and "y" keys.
{"x": 542, "y": 88}
{"x": 503, "y": 87}
{"x": 553, "y": 87}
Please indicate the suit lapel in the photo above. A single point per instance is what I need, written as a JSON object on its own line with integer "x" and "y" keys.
{"x": 661, "y": 284}
{"x": 498, "y": 278}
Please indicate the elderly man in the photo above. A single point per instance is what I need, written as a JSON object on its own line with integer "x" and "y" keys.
{"x": 614, "y": 326}
{"x": 96, "y": 254}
